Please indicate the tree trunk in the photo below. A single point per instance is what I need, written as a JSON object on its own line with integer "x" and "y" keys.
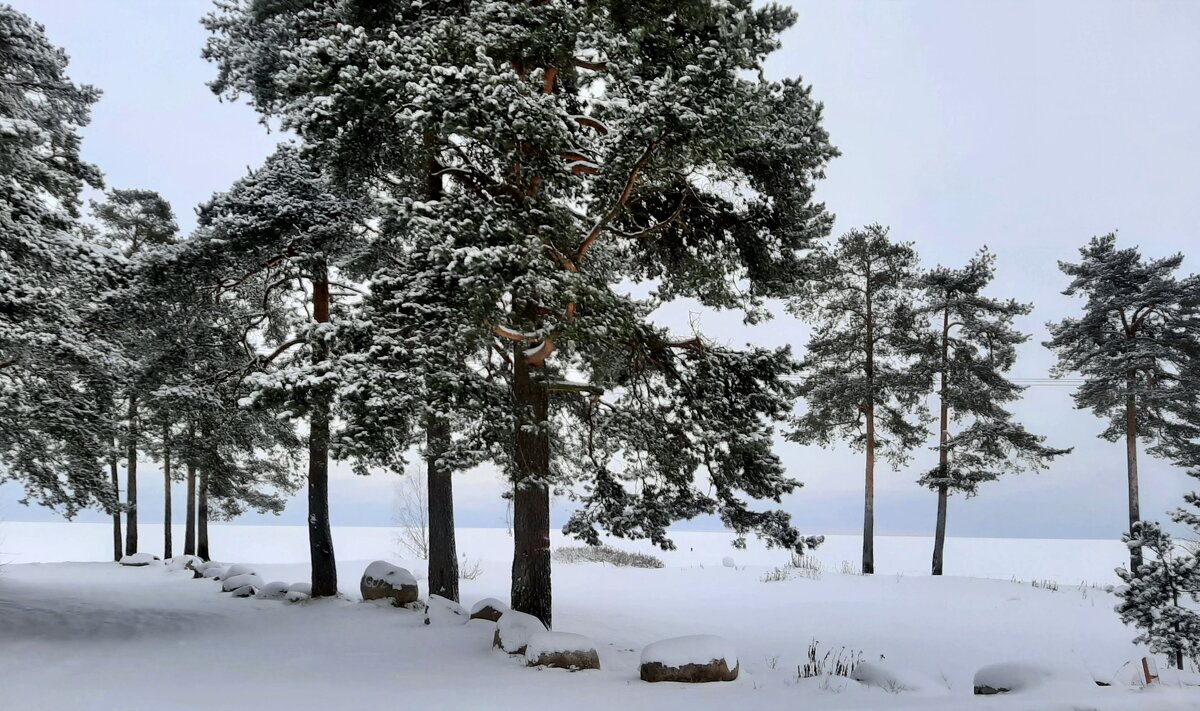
{"x": 443, "y": 556}
{"x": 118, "y": 547}
{"x": 202, "y": 520}
{"x": 166, "y": 490}
{"x": 868, "y": 548}
{"x": 531, "y": 591}
{"x": 320, "y": 539}
{"x": 131, "y": 455}
{"x": 189, "y": 535}
{"x": 1131, "y": 431}
{"x": 939, "y": 535}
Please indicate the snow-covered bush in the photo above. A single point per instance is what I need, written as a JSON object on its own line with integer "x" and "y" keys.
{"x": 1160, "y": 598}
{"x": 605, "y": 554}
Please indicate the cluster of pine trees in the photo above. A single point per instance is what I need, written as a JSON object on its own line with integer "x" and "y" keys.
{"x": 440, "y": 264}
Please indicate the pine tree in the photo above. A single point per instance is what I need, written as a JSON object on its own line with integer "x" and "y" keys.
{"x": 55, "y": 374}
{"x": 283, "y": 226}
{"x": 1154, "y": 597}
{"x": 132, "y": 221}
{"x": 973, "y": 349}
{"x": 582, "y": 146}
{"x": 1140, "y": 330}
{"x": 858, "y": 376}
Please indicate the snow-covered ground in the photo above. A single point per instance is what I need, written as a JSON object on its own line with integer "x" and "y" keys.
{"x": 95, "y": 635}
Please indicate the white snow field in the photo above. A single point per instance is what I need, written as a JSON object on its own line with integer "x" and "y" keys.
{"x": 97, "y": 635}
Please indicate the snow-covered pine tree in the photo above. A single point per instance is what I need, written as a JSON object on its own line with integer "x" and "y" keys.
{"x": 974, "y": 348}
{"x": 130, "y": 222}
{"x": 55, "y": 374}
{"x": 1140, "y": 330}
{"x": 277, "y": 238}
{"x": 858, "y": 375}
{"x": 583, "y": 145}
{"x": 1160, "y": 598}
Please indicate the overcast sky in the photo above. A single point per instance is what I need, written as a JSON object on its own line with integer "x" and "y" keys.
{"x": 1025, "y": 126}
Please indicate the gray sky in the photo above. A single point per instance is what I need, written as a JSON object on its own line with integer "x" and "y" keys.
{"x": 1026, "y": 126}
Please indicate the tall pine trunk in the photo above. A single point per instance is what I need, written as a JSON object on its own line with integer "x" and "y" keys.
{"x": 939, "y": 535}
{"x": 531, "y": 592}
{"x": 202, "y": 519}
{"x": 320, "y": 539}
{"x": 189, "y": 535}
{"x": 166, "y": 435}
{"x": 1131, "y": 431}
{"x": 443, "y": 556}
{"x": 131, "y": 456}
{"x": 868, "y": 544}
{"x": 118, "y": 547}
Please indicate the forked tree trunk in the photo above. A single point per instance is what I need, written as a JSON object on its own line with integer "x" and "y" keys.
{"x": 320, "y": 539}
{"x": 443, "y": 556}
{"x": 939, "y": 535}
{"x": 202, "y": 519}
{"x": 189, "y": 535}
{"x": 1131, "y": 431}
{"x": 166, "y": 490}
{"x": 131, "y": 455}
{"x": 531, "y": 592}
{"x": 118, "y": 547}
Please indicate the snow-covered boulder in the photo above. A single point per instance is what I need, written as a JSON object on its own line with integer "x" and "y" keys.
{"x": 245, "y": 591}
{"x": 1021, "y": 676}
{"x": 489, "y": 608}
{"x": 233, "y": 582}
{"x": 182, "y": 562}
{"x": 137, "y": 560}
{"x": 561, "y": 650}
{"x": 272, "y": 591}
{"x": 296, "y": 596}
{"x": 892, "y": 678}
{"x": 235, "y": 570}
{"x": 305, "y": 588}
{"x": 384, "y": 581}
{"x": 215, "y": 572}
{"x": 728, "y": 562}
{"x": 514, "y": 630}
{"x": 696, "y": 658}
{"x": 444, "y": 611}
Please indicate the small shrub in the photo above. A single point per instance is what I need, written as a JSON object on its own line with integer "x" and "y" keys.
{"x": 849, "y": 568}
{"x": 1046, "y": 585}
{"x": 778, "y": 575}
{"x": 605, "y": 554}
{"x": 469, "y": 569}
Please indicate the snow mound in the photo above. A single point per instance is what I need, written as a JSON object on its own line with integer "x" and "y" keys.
{"x": 489, "y": 608}
{"x": 216, "y": 572}
{"x": 234, "y": 582}
{"x": 443, "y": 611}
{"x": 1022, "y": 676}
{"x": 245, "y": 591}
{"x": 296, "y": 596}
{"x": 692, "y": 649}
{"x": 235, "y": 570}
{"x": 137, "y": 560}
{"x": 728, "y": 562}
{"x": 392, "y": 575}
{"x": 890, "y": 677}
{"x": 272, "y": 591}
{"x": 305, "y": 588}
{"x": 182, "y": 562}
{"x": 514, "y": 630}
{"x": 563, "y": 650}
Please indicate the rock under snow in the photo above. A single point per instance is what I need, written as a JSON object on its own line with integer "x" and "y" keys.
{"x": 695, "y": 658}
{"x": 137, "y": 560}
{"x": 296, "y": 596}
{"x": 561, "y": 650}
{"x": 1021, "y": 676}
{"x": 384, "y": 581}
{"x": 182, "y": 562}
{"x": 236, "y": 569}
{"x": 444, "y": 611}
{"x": 305, "y": 588}
{"x": 514, "y": 630}
{"x": 272, "y": 591}
{"x": 245, "y": 591}
{"x": 216, "y": 572}
{"x": 489, "y": 608}
{"x": 233, "y": 582}
{"x": 728, "y": 562}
